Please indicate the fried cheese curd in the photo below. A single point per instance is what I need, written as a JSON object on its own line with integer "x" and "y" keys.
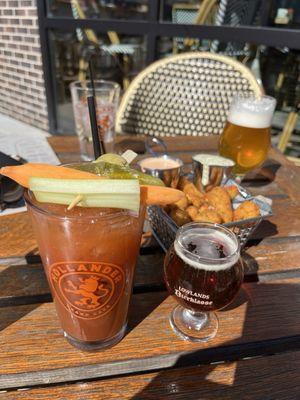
{"x": 214, "y": 206}
{"x": 246, "y": 210}
{"x": 219, "y": 198}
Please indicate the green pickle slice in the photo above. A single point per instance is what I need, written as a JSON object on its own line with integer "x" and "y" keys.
{"x": 115, "y": 171}
{"x": 111, "y": 158}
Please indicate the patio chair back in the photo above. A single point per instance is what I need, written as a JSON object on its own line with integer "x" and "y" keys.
{"x": 184, "y": 14}
{"x": 235, "y": 13}
{"x": 185, "y": 94}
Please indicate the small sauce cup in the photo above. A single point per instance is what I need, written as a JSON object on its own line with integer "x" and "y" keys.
{"x": 210, "y": 170}
{"x": 167, "y": 168}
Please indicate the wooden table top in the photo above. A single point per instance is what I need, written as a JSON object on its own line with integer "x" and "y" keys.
{"x": 255, "y": 355}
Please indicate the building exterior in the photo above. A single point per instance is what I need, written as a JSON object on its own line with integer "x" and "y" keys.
{"x": 46, "y": 44}
{"x": 22, "y": 86}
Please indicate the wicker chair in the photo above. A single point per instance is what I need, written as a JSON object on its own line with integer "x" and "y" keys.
{"x": 236, "y": 13}
{"x": 185, "y": 94}
{"x": 202, "y": 13}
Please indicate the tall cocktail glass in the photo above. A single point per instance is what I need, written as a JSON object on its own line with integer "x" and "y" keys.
{"x": 107, "y": 98}
{"x": 89, "y": 256}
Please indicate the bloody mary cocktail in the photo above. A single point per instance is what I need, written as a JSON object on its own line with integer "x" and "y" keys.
{"x": 88, "y": 220}
{"x": 89, "y": 255}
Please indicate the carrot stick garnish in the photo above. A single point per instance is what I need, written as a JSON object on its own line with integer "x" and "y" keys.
{"x": 160, "y": 195}
{"x": 22, "y": 173}
{"x": 151, "y": 195}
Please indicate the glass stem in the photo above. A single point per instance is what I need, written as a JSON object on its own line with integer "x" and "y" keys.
{"x": 197, "y": 319}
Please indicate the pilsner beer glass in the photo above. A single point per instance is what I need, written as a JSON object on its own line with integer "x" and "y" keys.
{"x": 246, "y": 136}
{"x": 89, "y": 256}
{"x": 204, "y": 272}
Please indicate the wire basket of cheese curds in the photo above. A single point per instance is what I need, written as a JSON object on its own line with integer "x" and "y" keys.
{"x": 230, "y": 205}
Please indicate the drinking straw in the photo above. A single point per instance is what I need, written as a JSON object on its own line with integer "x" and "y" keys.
{"x": 92, "y": 79}
{"x": 98, "y": 151}
{"x": 91, "y": 71}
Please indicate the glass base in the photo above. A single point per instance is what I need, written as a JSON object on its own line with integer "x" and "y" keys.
{"x": 194, "y": 326}
{"x": 96, "y": 345}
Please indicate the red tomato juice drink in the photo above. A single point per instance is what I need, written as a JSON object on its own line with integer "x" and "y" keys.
{"x": 89, "y": 256}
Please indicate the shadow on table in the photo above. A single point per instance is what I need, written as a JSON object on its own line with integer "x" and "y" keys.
{"x": 251, "y": 267}
{"x": 22, "y": 289}
{"x": 9, "y": 315}
{"x": 23, "y": 284}
{"x": 142, "y": 305}
{"x": 242, "y": 297}
{"x": 263, "y": 175}
{"x": 239, "y": 380}
{"x": 264, "y": 230}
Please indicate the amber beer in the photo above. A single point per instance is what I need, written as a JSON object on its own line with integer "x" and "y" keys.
{"x": 204, "y": 272}
{"x": 246, "y": 136}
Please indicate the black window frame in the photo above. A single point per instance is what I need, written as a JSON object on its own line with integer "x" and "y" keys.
{"x": 152, "y": 28}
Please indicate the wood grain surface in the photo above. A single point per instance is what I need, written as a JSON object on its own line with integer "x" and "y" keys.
{"x": 70, "y": 144}
{"x": 33, "y": 350}
{"x": 280, "y": 181}
{"x": 285, "y": 221}
{"x": 25, "y": 284}
{"x": 252, "y": 379}
{"x": 262, "y": 320}
{"x": 16, "y": 236}
{"x": 274, "y": 247}
{"x": 265, "y": 188}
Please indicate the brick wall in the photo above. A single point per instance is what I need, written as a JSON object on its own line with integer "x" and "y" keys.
{"x": 22, "y": 91}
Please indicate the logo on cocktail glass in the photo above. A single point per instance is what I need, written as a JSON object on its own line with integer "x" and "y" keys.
{"x": 87, "y": 289}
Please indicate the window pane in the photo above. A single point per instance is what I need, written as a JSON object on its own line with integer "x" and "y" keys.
{"x": 120, "y": 9}
{"x": 118, "y": 62}
{"x": 279, "y": 13}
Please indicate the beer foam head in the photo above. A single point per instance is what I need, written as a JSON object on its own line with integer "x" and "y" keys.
{"x": 199, "y": 247}
{"x": 252, "y": 112}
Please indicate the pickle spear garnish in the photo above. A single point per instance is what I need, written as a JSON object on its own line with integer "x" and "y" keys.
{"x": 125, "y": 159}
{"x": 111, "y": 193}
{"x": 114, "y": 171}
{"x": 112, "y": 159}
